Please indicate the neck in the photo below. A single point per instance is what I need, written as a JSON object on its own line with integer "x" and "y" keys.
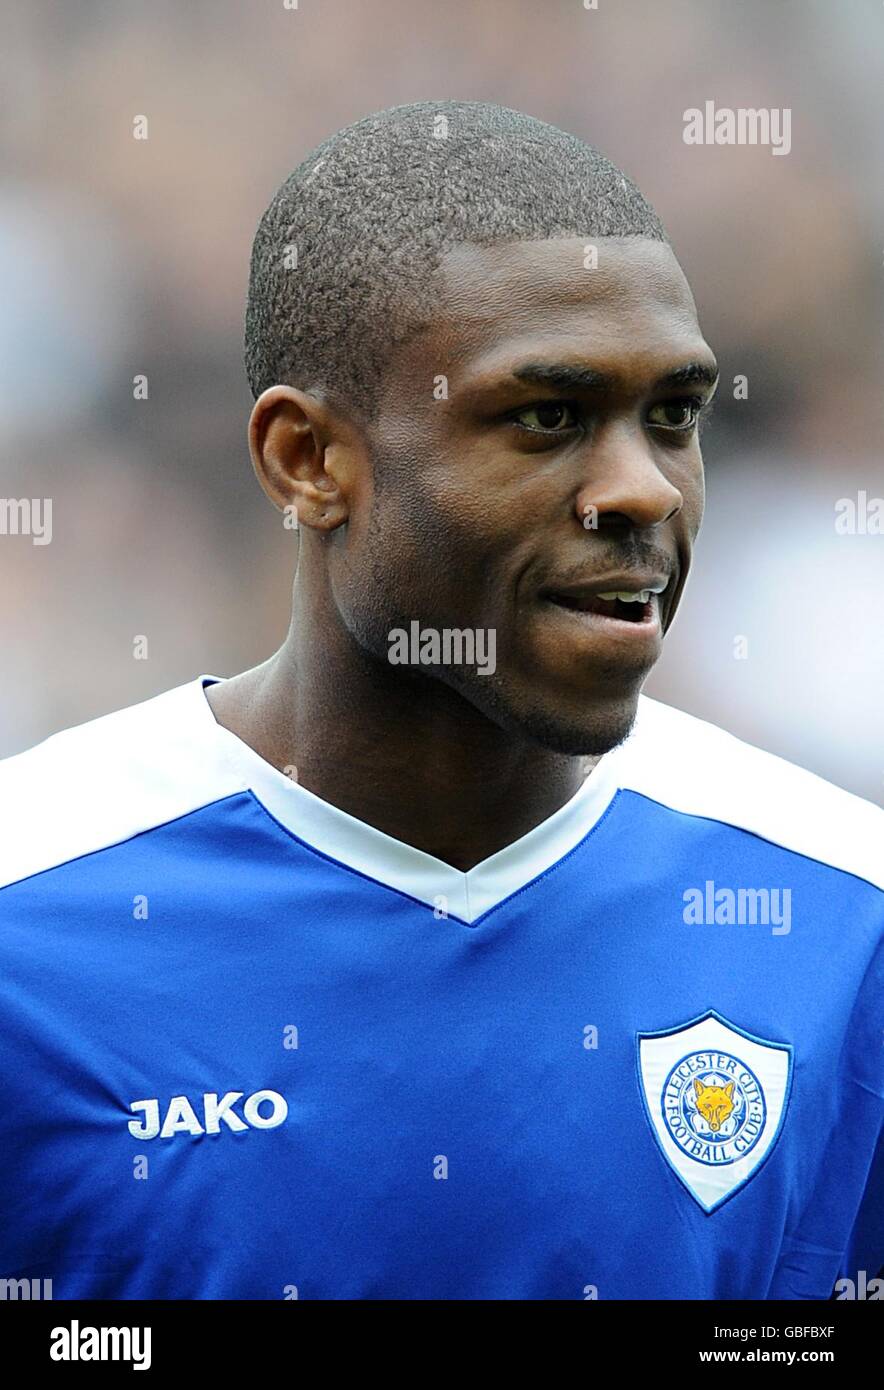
{"x": 410, "y": 757}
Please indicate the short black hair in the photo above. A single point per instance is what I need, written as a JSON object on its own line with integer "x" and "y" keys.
{"x": 343, "y": 258}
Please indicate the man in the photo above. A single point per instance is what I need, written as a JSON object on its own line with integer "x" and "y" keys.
{"x": 342, "y": 979}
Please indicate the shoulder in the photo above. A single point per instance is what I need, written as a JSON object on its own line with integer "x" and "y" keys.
{"x": 699, "y": 769}
{"x": 102, "y": 782}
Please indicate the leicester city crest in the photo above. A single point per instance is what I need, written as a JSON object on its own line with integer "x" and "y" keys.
{"x": 716, "y": 1099}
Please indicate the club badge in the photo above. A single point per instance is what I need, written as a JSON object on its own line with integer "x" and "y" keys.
{"x": 716, "y": 1099}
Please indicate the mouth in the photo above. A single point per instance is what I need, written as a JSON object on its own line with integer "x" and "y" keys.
{"x": 624, "y": 607}
{"x": 615, "y": 607}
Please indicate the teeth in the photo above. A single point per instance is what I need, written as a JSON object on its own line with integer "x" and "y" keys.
{"x": 643, "y": 596}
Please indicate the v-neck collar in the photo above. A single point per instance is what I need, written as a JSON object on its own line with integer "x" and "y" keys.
{"x": 342, "y": 837}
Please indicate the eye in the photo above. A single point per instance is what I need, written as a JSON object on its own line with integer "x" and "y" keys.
{"x": 676, "y": 415}
{"x": 548, "y": 417}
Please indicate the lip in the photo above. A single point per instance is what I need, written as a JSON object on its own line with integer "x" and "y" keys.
{"x": 636, "y": 639}
{"x": 605, "y": 583}
{"x": 645, "y": 631}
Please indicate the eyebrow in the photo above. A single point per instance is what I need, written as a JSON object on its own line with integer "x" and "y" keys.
{"x": 568, "y": 377}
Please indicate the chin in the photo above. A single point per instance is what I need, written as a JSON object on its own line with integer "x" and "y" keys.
{"x": 596, "y": 732}
{"x": 586, "y": 728}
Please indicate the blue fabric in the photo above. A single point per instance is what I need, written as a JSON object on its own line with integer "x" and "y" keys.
{"x": 421, "y": 1040}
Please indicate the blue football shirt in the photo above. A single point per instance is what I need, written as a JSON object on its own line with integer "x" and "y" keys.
{"x": 252, "y": 1047}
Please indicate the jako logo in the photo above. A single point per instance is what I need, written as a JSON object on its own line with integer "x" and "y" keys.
{"x": 181, "y": 1118}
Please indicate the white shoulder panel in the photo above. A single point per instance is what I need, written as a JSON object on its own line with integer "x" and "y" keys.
{"x": 697, "y": 768}
{"x": 102, "y": 782}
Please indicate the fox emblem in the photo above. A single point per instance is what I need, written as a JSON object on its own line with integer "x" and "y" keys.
{"x": 715, "y": 1097}
{"x": 715, "y": 1103}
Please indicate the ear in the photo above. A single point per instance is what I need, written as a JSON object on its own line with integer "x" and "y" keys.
{"x": 729, "y": 1090}
{"x": 296, "y": 447}
{"x": 698, "y": 1087}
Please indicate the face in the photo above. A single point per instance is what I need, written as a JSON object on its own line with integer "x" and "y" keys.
{"x": 537, "y": 471}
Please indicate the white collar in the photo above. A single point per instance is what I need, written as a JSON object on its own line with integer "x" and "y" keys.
{"x": 378, "y": 856}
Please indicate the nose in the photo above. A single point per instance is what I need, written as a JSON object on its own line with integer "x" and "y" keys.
{"x": 622, "y": 481}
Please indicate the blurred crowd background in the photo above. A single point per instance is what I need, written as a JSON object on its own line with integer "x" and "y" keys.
{"x": 120, "y": 257}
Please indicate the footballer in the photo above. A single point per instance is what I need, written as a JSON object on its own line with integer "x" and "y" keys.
{"x": 431, "y": 959}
